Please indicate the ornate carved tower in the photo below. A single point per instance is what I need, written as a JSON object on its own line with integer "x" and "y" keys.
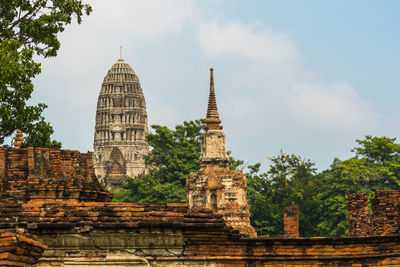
{"x": 215, "y": 187}
{"x": 121, "y": 127}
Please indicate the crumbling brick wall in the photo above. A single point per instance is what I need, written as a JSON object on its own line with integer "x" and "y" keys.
{"x": 19, "y": 249}
{"x": 37, "y": 174}
{"x": 222, "y": 191}
{"x": 385, "y": 216}
{"x": 360, "y": 219}
{"x": 385, "y": 208}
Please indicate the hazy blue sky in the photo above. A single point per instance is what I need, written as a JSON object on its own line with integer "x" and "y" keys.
{"x": 308, "y": 77}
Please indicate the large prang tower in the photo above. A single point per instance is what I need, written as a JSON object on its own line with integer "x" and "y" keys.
{"x": 121, "y": 127}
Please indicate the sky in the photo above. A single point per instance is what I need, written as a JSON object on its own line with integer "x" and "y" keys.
{"x": 305, "y": 77}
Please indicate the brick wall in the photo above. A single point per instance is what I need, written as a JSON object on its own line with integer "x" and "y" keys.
{"x": 385, "y": 216}
{"x": 37, "y": 174}
{"x": 19, "y": 249}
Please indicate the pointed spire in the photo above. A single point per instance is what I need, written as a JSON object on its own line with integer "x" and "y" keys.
{"x": 212, "y": 119}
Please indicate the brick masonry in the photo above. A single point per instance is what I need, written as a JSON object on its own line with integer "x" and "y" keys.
{"x": 222, "y": 191}
{"x": 81, "y": 227}
{"x": 291, "y": 222}
{"x": 385, "y": 217}
{"x": 38, "y": 174}
{"x": 18, "y": 248}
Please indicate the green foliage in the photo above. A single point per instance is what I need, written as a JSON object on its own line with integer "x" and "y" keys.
{"x": 17, "y": 69}
{"x": 378, "y": 149}
{"x": 289, "y": 181}
{"x": 28, "y": 27}
{"x": 376, "y": 166}
{"x": 36, "y": 23}
{"x": 321, "y": 197}
{"x": 174, "y": 156}
{"x": 234, "y": 164}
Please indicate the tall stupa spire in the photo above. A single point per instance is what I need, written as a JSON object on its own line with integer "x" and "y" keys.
{"x": 215, "y": 187}
{"x": 212, "y": 118}
{"x": 213, "y": 149}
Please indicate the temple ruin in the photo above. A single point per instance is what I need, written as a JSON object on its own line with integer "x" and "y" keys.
{"x": 55, "y": 212}
{"x": 121, "y": 127}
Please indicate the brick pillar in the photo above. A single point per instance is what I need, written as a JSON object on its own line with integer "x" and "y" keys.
{"x": 360, "y": 221}
{"x": 386, "y": 209}
{"x": 291, "y": 222}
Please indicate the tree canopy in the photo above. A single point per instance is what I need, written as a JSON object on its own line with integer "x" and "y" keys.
{"x": 376, "y": 166}
{"x": 29, "y": 27}
{"x": 321, "y": 196}
{"x": 35, "y": 23}
{"x": 175, "y": 155}
{"x": 290, "y": 180}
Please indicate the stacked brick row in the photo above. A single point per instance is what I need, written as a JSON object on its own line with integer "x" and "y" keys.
{"x": 39, "y": 174}
{"x": 75, "y": 216}
{"x": 19, "y": 249}
{"x": 385, "y": 217}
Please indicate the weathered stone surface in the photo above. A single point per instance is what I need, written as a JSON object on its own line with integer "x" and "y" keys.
{"x": 385, "y": 209}
{"x": 213, "y": 148}
{"x": 82, "y": 232}
{"x": 125, "y": 234}
{"x": 18, "y": 248}
{"x": 121, "y": 127}
{"x": 222, "y": 191}
{"x": 40, "y": 174}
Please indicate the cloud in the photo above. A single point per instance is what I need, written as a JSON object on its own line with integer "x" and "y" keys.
{"x": 332, "y": 107}
{"x": 148, "y": 19}
{"x": 239, "y": 40}
{"x": 270, "y": 82}
{"x": 265, "y": 95}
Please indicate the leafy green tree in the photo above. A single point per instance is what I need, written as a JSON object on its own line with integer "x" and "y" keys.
{"x": 289, "y": 181}
{"x": 28, "y": 27}
{"x": 36, "y": 23}
{"x": 376, "y": 166}
{"x": 174, "y": 156}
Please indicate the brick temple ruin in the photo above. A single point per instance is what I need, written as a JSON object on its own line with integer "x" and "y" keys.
{"x": 55, "y": 212}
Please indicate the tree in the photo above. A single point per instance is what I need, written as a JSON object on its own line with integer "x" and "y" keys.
{"x": 28, "y": 27}
{"x": 174, "y": 156}
{"x": 376, "y": 166}
{"x": 36, "y": 23}
{"x": 289, "y": 181}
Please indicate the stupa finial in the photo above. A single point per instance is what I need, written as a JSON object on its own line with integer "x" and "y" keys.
{"x": 18, "y": 139}
{"x": 212, "y": 118}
